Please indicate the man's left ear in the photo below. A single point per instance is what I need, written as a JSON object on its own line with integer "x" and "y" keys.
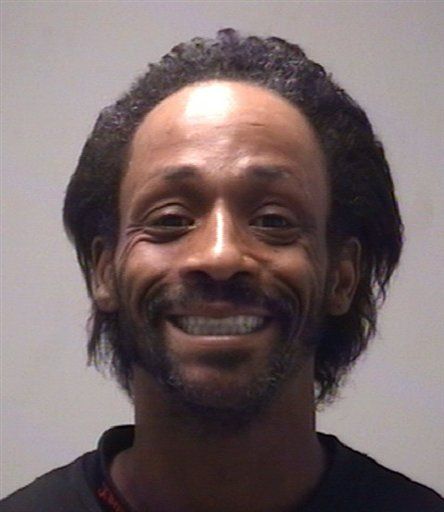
{"x": 344, "y": 277}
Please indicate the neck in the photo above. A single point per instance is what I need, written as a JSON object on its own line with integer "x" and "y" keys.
{"x": 175, "y": 464}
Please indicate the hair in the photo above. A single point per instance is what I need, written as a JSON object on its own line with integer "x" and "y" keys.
{"x": 363, "y": 203}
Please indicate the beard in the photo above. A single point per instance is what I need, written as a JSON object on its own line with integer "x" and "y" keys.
{"x": 144, "y": 344}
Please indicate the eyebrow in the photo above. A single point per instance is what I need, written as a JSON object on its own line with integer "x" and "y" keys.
{"x": 269, "y": 173}
{"x": 180, "y": 173}
{"x": 265, "y": 173}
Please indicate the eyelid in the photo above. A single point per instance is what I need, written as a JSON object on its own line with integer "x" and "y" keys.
{"x": 289, "y": 223}
{"x": 297, "y": 216}
{"x": 276, "y": 210}
{"x": 165, "y": 209}
{"x": 160, "y": 223}
{"x": 155, "y": 222}
{"x": 275, "y": 205}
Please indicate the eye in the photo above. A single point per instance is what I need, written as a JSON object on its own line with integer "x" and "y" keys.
{"x": 168, "y": 223}
{"x": 270, "y": 221}
{"x": 275, "y": 225}
{"x": 172, "y": 221}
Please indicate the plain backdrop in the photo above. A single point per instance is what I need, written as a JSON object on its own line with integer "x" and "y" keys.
{"x": 61, "y": 63}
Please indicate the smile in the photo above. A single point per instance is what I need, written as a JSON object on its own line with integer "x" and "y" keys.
{"x": 227, "y": 326}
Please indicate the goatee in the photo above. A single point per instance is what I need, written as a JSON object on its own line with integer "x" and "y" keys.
{"x": 145, "y": 345}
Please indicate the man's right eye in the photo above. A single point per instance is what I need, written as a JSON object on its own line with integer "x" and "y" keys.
{"x": 164, "y": 226}
{"x": 172, "y": 221}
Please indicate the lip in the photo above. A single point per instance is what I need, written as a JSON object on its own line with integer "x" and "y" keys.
{"x": 216, "y": 311}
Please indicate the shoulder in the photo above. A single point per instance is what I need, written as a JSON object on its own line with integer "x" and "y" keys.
{"x": 373, "y": 487}
{"x": 69, "y": 488}
{"x": 390, "y": 490}
{"x": 62, "y": 490}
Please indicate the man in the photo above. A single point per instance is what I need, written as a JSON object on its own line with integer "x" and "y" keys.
{"x": 236, "y": 224}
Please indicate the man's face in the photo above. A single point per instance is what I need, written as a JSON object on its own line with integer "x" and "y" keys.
{"x": 221, "y": 268}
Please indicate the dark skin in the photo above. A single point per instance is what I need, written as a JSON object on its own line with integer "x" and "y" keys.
{"x": 224, "y": 179}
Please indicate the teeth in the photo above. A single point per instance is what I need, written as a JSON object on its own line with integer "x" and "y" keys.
{"x": 206, "y": 326}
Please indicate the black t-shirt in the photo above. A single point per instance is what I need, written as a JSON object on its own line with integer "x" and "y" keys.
{"x": 353, "y": 482}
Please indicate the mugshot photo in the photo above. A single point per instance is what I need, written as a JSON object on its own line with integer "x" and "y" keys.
{"x": 221, "y": 256}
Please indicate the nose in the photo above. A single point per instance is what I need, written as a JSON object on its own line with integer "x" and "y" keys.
{"x": 218, "y": 249}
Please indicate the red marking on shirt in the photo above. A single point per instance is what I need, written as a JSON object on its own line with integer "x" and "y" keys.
{"x": 109, "y": 498}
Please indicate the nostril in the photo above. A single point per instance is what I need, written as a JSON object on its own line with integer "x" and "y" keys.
{"x": 198, "y": 276}
{"x": 211, "y": 277}
{"x": 201, "y": 278}
{"x": 241, "y": 288}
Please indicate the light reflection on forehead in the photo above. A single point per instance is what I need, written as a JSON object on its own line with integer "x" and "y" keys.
{"x": 212, "y": 101}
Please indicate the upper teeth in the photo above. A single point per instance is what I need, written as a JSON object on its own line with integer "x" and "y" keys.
{"x": 203, "y": 325}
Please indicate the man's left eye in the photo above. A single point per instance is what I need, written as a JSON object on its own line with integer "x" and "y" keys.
{"x": 271, "y": 220}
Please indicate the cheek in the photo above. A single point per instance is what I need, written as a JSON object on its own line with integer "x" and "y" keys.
{"x": 302, "y": 271}
{"x": 141, "y": 265}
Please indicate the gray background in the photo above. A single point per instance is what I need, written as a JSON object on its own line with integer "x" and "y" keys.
{"x": 62, "y": 62}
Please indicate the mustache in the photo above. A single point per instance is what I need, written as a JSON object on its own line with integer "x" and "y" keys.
{"x": 238, "y": 291}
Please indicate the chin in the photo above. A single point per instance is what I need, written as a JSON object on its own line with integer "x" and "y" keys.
{"x": 235, "y": 394}
{"x": 217, "y": 389}
{"x": 219, "y": 411}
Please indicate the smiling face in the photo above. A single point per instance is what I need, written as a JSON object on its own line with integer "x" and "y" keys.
{"x": 221, "y": 274}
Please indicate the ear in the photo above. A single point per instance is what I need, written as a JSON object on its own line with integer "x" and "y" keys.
{"x": 103, "y": 286}
{"x": 344, "y": 277}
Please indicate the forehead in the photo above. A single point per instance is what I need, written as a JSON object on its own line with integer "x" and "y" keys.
{"x": 222, "y": 129}
{"x": 225, "y": 107}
